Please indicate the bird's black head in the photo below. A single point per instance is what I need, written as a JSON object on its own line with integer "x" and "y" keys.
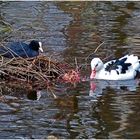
{"x": 35, "y": 45}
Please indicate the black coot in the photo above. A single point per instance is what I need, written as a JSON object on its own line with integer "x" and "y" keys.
{"x": 21, "y": 49}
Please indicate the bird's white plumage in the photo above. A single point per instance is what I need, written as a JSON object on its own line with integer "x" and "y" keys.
{"x": 121, "y": 69}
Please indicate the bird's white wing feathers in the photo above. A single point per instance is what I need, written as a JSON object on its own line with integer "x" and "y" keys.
{"x": 134, "y": 61}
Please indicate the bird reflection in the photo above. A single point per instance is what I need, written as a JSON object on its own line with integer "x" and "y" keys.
{"x": 115, "y": 109}
{"x": 34, "y": 95}
{"x": 97, "y": 86}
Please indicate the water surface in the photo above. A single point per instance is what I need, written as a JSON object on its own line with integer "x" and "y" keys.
{"x": 72, "y": 30}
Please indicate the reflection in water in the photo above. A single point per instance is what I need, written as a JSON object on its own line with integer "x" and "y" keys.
{"x": 126, "y": 85}
{"x": 34, "y": 95}
{"x": 118, "y": 107}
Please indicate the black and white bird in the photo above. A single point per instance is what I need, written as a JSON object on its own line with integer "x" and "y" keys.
{"x": 21, "y": 49}
{"x": 125, "y": 68}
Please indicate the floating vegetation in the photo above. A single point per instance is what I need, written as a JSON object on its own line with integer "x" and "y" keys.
{"x": 36, "y": 73}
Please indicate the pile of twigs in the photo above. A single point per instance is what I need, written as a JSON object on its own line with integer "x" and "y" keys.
{"x": 32, "y": 70}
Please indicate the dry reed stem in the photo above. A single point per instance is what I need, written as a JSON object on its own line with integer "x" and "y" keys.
{"x": 94, "y": 51}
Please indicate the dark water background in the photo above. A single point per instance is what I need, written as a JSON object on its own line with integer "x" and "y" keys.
{"x": 72, "y": 30}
